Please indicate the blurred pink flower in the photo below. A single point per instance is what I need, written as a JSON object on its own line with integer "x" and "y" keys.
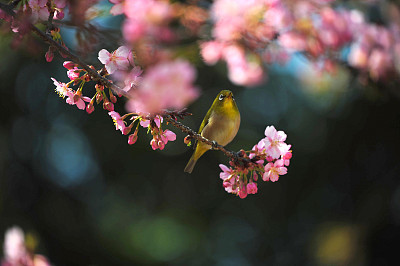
{"x": 274, "y": 170}
{"x": 165, "y": 85}
{"x": 211, "y": 51}
{"x": 115, "y": 60}
{"x": 133, "y": 79}
{"x": 14, "y": 246}
{"x": 118, "y": 7}
{"x": 379, "y": 63}
{"x": 39, "y": 10}
{"x": 293, "y": 40}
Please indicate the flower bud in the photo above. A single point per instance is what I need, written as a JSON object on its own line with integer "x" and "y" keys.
{"x": 69, "y": 65}
{"x": 49, "y": 54}
{"x": 109, "y": 106}
{"x": 99, "y": 98}
{"x": 187, "y": 139}
{"x": 132, "y": 138}
{"x": 90, "y": 108}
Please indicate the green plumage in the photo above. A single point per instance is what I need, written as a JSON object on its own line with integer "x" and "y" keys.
{"x": 220, "y": 124}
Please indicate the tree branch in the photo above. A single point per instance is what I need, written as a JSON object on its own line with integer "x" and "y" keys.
{"x": 170, "y": 116}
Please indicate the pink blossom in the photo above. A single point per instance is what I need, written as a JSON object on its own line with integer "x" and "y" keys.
{"x": 168, "y": 135}
{"x": 293, "y": 40}
{"x": 73, "y": 73}
{"x": 278, "y": 17}
{"x": 242, "y": 192}
{"x": 274, "y": 142}
{"x": 379, "y": 63}
{"x": 14, "y": 246}
{"x": 115, "y": 60}
{"x": 133, "y": 79}
{"x": 149, "y": 11}
{"x": 240, "y": 71}
{"x": 39, "y": 10}
{"x": 118, "y": 121}
{"x": 134, "y": 30}
{"x": 77, "y": 99}
{"x": 60, "y": 3}
{"x": 226, "y": 172}
{"x": 274, "y": 170}
{"x": 146, "y": 123}
{"x": 286, "y": 157}
{"x": 118, "y": 7}
{"x": 358, "y": 56}
{"x": 165, "y": 85}
{"x": 61, "y": 88}
{"x": 251, "y": 188}
{"x": 211, "y": 51}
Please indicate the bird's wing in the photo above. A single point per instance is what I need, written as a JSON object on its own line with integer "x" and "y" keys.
{"x": 203, "y": 125}
{"x": 205, "y": 120}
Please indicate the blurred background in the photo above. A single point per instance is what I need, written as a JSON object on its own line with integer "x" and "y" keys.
{"x": 86, "y": 197}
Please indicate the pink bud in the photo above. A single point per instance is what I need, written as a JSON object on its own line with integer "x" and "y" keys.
{"x": 109, "y": 106}
{"x": 49, "y": 55}
{"x": 113, "y": 98}
{"x": 90, "y": 108}
{"x": 252, "y": 188}
{"x": 243, "y": 193}
{"x": 58, "y": 14}
{"x": 126, "y": 130}
{"x": 153, "y": 144}
{"x": 69, "y": 65}
{"x": 132, "y": 138}
{"x": 99, "y": 98}
{"x": 161, "y": 144}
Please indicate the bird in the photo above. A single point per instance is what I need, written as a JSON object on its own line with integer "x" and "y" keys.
{"x": 220, "y": 124}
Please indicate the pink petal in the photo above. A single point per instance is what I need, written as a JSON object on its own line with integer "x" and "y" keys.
{"x": 104, "y": 56}
{"x": 170, "y": 135}
{"x": 80, "y": 104}
{"x": 270, "y": 131}
{"x": 224, "y": 167}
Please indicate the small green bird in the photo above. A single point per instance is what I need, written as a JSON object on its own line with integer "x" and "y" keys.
{"x": 220, "y": 124}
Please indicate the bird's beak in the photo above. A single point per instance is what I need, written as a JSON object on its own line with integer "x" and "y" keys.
{"x": 230, "y": 95}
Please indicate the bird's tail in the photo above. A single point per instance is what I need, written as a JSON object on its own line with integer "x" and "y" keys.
{"x": 198, "y": 152}
{"x": 190, "y": 165}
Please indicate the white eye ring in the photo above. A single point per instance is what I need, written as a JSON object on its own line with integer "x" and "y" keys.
{"x": 221, "y": 97}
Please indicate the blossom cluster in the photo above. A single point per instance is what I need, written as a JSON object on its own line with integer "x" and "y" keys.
{"x": 16, "y": 253}
{"x": 245, "y": 31}
{"x": 160, "y": 136}
{"x": 268, "y": 160}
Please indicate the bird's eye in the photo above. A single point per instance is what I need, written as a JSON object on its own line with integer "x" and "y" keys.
{"x": 221, "y": 97}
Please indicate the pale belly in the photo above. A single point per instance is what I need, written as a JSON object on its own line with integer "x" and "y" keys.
{"x": 221, "y": 130}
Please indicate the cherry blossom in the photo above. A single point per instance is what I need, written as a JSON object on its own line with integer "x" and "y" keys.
{"x": 39, "y": 10}
{"x": 115, "y": 60}
{"x": 274, "y": 170}
{"x": 118, "y": 121}
{"x": 155, "y": 91}
{"x": 274, "y": 143}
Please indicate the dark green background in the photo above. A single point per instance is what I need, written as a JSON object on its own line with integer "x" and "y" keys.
{"x": 89, "y": 198}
